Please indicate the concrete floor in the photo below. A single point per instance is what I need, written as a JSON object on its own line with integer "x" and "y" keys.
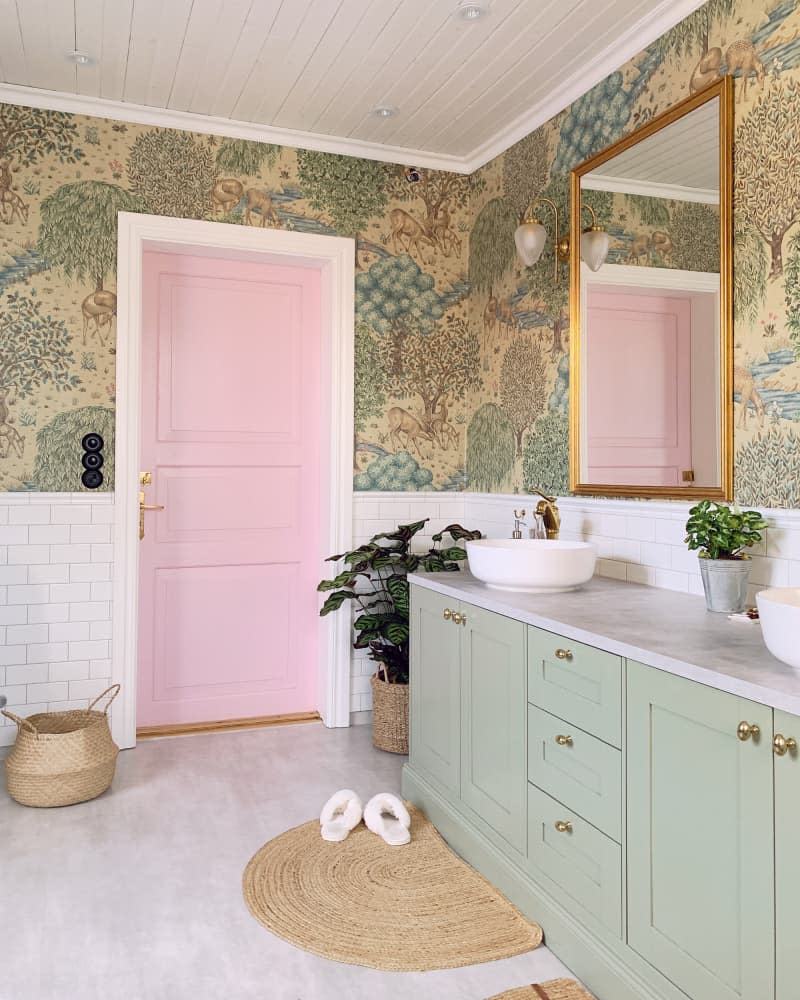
{"x": 136, "y": 896}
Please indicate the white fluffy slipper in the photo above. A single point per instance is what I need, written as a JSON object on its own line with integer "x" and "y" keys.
{"x": 386, "y": 815}
{"x": 340, "y": 814}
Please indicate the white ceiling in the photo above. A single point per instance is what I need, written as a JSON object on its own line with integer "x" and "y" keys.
{"x": 308, "y": 72}
{"x": 679, "y": 161}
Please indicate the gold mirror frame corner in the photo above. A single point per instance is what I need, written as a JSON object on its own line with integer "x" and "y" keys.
{"x": 723, "y": 90}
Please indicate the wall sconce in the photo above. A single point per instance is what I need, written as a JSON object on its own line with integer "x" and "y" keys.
{"x": 530, "y": 238}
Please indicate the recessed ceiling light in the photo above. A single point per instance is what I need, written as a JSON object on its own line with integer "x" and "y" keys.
{"x": 467, "y": 10}
{"x": 384, "y": 111}
{"x": 78, "y": 57}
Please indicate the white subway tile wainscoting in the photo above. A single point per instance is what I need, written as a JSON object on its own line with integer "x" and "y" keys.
{"x": 56, "y": 566}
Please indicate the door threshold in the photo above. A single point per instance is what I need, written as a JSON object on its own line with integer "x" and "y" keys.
{"x": 225, "y": 725}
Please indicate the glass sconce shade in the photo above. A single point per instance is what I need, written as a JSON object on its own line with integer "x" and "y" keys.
{"x": 530, "y": 239}
{"x": 594, "y": 247}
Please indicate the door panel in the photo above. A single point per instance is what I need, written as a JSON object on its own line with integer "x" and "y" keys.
{"x": 231, "y": 397}
{"x": 493, "y": 721}
{"x": 435, "y": 679}
{"x": 700, "y": 843}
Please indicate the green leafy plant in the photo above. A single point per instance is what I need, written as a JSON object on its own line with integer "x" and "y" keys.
{"x": 722, "y": 532}
{"x": 375, "y": 578}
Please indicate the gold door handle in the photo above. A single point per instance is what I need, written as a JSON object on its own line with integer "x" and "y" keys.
{"x": 564, "y": 741}
{"x": 563, "y": 654}
{"x": 447, "y": 614}
{"x": 744, "y": 731}
{"x": 781, "y": 745}
{"x": 563, "y": 826}
{"x": 142, "y": 508}
{"x": 459, "y": 619}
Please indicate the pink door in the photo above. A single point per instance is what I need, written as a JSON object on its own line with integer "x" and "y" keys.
{"x": 231, "y": 433}
{"x": 638, "y": 391}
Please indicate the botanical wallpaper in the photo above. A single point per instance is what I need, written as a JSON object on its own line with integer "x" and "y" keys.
{"x": 64, "y": 178}
{"x": 461, "y": 354}
{"x": 517, "y": 434}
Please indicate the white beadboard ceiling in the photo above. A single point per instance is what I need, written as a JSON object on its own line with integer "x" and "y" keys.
{"x": 680, "y": 161}
{"x": 308, "y": 72}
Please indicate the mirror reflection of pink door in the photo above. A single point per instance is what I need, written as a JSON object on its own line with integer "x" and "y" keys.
{"x": 638, "y": 388}
{"x": 231, "y": 392}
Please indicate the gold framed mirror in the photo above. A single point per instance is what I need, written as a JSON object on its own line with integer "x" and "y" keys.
{"x": 651, "y": 336}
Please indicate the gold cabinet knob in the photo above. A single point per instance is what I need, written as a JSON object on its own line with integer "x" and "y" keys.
{"x": 447, "y": 614}
{"x": 744, "y": 731}
{"x": 564, "y": 741}
{"x": 563, "y": 826}
{"x": 563, "y": 654}
{"x": 781, "y": 745}
{"x": 459, "y": 619}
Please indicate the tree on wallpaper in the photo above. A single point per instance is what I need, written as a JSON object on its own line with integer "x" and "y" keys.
{"x": 439, "y": 368}
{"x": 651, "y": 211}
{"x": 350, "y": 190}
{"x": 396, "y": 299}
{"x": 27, "y": 134}
{"x": 767, "y": 471}
{"x": 58, "y": 449}
{"x": 396, "y": 472}
{"x": 523, "y": 390}
{"x": 525, "y": 169}
{"x": 34, "y": 347}
{"x": 770, "y": 196}
{"x": 491, "y": 244}
{"x": 750, "y": 272}
{"x": 491, "y": 447}
{"x": 370, "y": 377}
{"x": 545, "y": 461}
{"x": 240, "y": 156}
{"x": 694, "y": 230}
{"x": 78, "y": 231}
{"x": 592, "y": 122}
{"x": 694, "y": 31}
{"x": 172, "y": 173}
{"x": 441, "y": 194}
{"x": 793, "y": 294}
{"x": 549, "y": 297}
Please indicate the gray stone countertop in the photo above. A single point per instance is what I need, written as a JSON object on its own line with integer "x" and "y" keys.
{"x": 661, "y": 628}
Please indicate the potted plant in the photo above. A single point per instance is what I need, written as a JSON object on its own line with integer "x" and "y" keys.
{"x": 721, "y": 533}
{"x": 374, "y": 578}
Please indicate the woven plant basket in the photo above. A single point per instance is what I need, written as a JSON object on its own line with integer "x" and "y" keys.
{"x": 389, "y": 716}
{"x": 61, "y": 758}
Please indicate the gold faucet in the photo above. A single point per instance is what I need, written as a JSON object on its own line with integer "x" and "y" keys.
{"x": 548, "y": 508}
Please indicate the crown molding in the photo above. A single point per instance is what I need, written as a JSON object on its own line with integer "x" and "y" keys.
{"x": 650, "y": 189}
{"x": 139, "y": 114}
{"x": 641, "y": 34}
{"x": 629, "y": 44}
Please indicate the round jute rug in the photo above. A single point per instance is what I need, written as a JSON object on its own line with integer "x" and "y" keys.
{"x": 403, "y": 909}
{"x": 556, "y": 989}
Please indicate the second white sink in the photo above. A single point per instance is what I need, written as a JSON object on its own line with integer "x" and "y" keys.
{"x": 533, "y": 565}
{"x": 779, "y": 613}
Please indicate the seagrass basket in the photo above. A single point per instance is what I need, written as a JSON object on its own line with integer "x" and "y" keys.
{"x": 61, "y": 758}
{"x": 389, "y": 716}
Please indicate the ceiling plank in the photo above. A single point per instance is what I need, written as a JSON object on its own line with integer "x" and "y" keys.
{"x": 48, "y": 33}
{"x": 12, "y": 50}
{"x": 89, "y": 39}
{"x": 257, "y": 26}
{"x": 157, "y": 33}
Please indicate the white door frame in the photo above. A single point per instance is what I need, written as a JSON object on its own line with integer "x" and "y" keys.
{"x": 334, "y": 258}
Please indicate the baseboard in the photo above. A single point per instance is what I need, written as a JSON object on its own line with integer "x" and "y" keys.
{"x": 225, "y": 725}
{"x": 592, "y": 959}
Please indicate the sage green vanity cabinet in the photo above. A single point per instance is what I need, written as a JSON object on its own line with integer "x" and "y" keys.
{"x": 700, "y": 836}
{"x": 468, "y": 711}
{"x": 787, "y": 855}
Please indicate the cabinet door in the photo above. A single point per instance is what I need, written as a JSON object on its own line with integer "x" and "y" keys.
{"x": 787, "y": 860}
{"x": 493, "y": 721}
{"x": 435, "y": 688}
{"x": 700, "y": 832}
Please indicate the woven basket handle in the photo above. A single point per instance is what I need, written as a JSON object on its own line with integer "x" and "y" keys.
{"x": 115, "y": 688}
{"x": 22, "y": 723}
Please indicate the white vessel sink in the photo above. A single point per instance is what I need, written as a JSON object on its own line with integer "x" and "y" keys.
{"x": 779, "y": 612}
{"x": 533, "y": 565}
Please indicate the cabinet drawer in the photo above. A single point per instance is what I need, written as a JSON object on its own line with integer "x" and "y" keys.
{"x": 578, "y": 683}
{"x": 585, "y": 863}
{"x": 577, "y": 769}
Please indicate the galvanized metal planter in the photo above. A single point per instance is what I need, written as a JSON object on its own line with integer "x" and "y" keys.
{"x": 725, "y": 584}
